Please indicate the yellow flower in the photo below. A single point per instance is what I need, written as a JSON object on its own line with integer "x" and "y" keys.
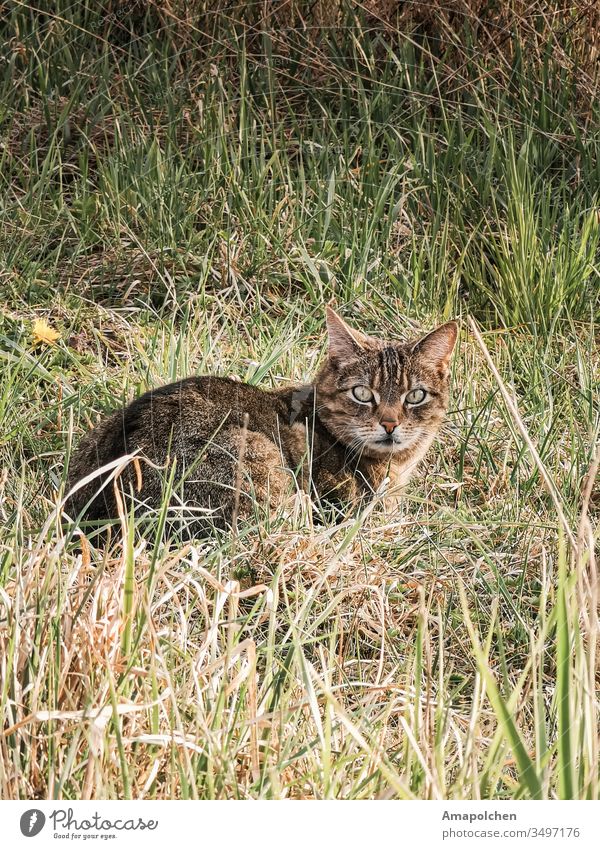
{"x": 43, "y": 334}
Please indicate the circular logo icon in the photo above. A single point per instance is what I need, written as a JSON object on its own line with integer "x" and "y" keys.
{"x": 32, "y": 822}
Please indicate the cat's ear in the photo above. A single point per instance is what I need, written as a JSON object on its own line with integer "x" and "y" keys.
{"x": 344, "y": 341}
{"x": 438, "y": 345}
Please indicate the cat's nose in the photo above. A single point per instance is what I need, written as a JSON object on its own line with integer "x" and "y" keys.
{"x": 389, "y": 426}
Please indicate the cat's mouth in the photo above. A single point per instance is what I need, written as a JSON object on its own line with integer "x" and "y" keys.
{"x": 377, "y": 444}
{"x": 385, "y": 443}
{"x": 392, "y": 443}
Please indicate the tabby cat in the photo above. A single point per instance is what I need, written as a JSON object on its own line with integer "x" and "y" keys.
{"x": 371, "y": 412}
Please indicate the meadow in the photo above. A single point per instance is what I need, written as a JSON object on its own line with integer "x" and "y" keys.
{"x": 183, "y": 195}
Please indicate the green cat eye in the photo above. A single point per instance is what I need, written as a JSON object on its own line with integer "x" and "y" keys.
{"x": 415, "y": 396}
{"x": 362, "y": 394}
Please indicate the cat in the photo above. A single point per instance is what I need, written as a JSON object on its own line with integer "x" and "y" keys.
{"x": 371, "y": 412}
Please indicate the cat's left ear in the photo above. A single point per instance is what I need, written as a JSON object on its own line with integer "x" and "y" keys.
{"x": 438, "y": 345}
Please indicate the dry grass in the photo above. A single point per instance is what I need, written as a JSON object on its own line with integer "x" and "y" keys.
{"x": 304, "y": 661}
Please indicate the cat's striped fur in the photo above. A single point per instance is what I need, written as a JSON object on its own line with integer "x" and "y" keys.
{"x": 238, "y": 447}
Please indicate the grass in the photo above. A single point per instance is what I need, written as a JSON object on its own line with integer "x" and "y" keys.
{"x": 182, "y": 207}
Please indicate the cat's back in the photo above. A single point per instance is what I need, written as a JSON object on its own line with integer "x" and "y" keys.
{"x": 189, "y": 409}
{"x": 200, "y": 403}
{"x": 177, "y": 419}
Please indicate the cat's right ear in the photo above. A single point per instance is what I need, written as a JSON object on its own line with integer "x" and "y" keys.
{"x": 344, "y": 342}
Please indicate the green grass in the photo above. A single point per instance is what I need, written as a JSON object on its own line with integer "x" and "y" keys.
{"x": 177, "y": 207}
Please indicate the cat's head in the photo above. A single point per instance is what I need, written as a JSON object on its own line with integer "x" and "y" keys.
{"x": 380, "y": 397}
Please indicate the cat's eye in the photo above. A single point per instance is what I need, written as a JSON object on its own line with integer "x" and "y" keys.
{"x": 415, "y": 396}
{"x": 362, "y": 394}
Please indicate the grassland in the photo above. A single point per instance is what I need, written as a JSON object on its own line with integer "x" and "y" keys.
{"x": 178, "y": 205}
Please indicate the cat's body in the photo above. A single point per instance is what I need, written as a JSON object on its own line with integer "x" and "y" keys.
{"x": 237, "y": 446}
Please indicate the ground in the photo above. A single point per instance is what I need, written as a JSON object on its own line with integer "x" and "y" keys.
{"x": 175, "y": 204}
